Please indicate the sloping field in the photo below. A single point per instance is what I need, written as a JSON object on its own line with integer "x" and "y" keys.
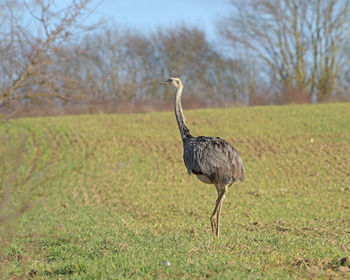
{"x": 109, "y": 197}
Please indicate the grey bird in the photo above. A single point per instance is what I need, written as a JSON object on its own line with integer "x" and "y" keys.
{"x": 211, "y": 159}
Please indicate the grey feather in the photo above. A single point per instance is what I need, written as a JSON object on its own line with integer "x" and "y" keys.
{"x": 214, "y": 158}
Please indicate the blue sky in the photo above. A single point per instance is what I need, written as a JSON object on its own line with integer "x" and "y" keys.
{"x": 147, "y": 15}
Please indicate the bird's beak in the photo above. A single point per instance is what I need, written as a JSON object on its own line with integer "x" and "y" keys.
{"x": 164, "y": 83}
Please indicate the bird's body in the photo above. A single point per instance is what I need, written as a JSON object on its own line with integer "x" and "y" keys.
{"x": 211, "y": 159}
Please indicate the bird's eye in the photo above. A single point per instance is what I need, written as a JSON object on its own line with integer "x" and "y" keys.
{"x": 170, "y": 80}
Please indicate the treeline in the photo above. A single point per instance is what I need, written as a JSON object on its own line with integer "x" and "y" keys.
{"x": 268, "y": 54}
{"x": 125, "y": 65}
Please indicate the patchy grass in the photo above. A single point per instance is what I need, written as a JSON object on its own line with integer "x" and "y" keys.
{"x": 110, "y": 198}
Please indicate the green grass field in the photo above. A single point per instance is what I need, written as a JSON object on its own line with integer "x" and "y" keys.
{"x": 109, "y": 196}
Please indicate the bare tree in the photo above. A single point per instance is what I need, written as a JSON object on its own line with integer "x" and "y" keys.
{"x": 33, "y": 34}
{"x": 302, "y": 43}
{"x": 186, "y": 51}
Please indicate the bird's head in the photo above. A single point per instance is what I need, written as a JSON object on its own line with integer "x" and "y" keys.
{"x": 176, "y": 82}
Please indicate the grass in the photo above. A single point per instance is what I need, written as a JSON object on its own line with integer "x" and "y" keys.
{"x": 110, "y": 198}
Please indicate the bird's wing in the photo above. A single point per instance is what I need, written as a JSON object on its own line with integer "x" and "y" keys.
{"x": 214, "y": 158}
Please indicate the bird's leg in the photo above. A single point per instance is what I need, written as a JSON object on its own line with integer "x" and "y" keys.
{"x": 213, "y": 218}
{"x": 218, "y": 215}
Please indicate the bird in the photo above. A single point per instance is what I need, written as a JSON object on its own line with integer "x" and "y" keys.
{"x": 212, "y": 159}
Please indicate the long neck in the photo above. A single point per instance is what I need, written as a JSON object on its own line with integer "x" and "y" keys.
{"x": 181, "y": 122}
